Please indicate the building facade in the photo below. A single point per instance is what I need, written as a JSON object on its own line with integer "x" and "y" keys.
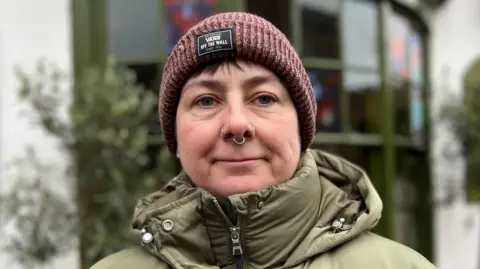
{"x": 379, "y": 70}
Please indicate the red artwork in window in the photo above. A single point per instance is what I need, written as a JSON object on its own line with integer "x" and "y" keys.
{"x": 183, "y": 14}
{"x": 398, "y": 56}
{"x": 326, "y": 84}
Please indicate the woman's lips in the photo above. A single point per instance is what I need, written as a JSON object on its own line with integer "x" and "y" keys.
{"x": 238, "y": 162}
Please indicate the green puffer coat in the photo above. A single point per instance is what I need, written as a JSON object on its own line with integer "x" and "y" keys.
{"x": 319, "y": 219}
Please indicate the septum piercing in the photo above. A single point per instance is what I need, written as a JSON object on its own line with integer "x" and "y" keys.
{"x": 239, "y": 143}
{"x": 222, "y": 133}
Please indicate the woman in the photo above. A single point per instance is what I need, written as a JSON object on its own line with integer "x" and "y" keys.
{"x": 238, "y": 110}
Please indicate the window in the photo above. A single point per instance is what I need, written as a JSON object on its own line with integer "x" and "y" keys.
{"x": 358, "y": 155}
{"x": 398, "y": 29}
{"x": 360, "y": 34}
{"x": 416, "y": 102}
{"x": 148, "y": 76}
{"x": 183, "y": 14}
{"x": 279, "y": 15}
{"x": 406, "y": 78}
{"x": 361, "y": 57}
{"x": 320, "y": 28}
{"x": 407, "y": 196}
{"x": 326, "y": 84}
{"x": 134, "y": 30}
{"x": 363, "y": 89}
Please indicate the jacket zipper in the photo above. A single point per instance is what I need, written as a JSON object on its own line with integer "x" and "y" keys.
{"x": 235, "y": 232}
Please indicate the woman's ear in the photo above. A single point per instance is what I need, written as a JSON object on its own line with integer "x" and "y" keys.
{"x": 178, "y": 155}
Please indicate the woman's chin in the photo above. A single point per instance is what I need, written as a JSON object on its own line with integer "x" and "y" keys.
{"x": 240, "y": 184}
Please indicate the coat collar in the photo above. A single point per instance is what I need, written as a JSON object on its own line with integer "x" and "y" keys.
{"x": 281, "y": 226}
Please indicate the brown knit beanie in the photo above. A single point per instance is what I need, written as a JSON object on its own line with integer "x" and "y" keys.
{"x": 236, "y": 35}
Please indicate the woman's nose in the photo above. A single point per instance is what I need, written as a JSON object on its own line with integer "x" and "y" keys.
{"x": 237, "y": 125}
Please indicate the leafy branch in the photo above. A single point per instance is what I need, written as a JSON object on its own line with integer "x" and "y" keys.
{"x": 103, "y": 127}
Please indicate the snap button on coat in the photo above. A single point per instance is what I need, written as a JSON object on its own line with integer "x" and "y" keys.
{"x": 167, "y": 225}
{"x": 147, "y": 237}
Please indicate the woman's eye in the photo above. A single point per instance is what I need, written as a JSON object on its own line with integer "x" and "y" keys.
{"x": 206, "y": 102}
{"x": 265, "y": 99}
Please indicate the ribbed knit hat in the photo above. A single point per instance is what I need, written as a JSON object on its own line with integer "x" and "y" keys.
{"x": 236, "y": 35}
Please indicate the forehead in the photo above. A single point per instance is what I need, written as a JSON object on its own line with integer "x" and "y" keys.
{"x": 222, "y": 68}
{"x": 219, "y": 75}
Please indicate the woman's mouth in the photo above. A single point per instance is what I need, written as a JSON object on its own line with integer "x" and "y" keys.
{"x": 239, "y": 161}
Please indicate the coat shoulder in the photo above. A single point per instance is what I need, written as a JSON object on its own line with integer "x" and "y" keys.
{"x": 131, "y": 258}
{"x": 372, "y": 251}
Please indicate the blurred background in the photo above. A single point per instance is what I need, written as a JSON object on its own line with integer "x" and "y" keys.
{"x": 396, "y": 83}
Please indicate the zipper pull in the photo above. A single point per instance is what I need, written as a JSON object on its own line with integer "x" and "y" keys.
{"x": 236, "y": 246}
{"x": 237, "y": 250}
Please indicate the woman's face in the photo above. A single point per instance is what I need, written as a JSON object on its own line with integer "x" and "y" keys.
{"x": 234, "y": 101}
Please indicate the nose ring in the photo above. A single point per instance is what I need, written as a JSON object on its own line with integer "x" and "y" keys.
{"x": 239, "y": 143}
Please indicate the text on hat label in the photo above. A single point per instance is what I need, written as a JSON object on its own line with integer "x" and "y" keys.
{"x": 215, "y": 41}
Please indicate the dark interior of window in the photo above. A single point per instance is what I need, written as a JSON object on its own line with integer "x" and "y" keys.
{"x": 275, "y": 11}
{"x": 320, "y": 33}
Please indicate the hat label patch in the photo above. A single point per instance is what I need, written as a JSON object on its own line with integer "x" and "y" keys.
{"x": 222, "y": 40}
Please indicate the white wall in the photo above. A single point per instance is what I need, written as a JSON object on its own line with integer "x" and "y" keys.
{"x": 30, "y": 30}
{"x": 455, "y": 45}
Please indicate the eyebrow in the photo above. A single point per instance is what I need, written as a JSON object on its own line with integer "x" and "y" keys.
{"x": 213, "y": 84}
{"x": 217, "y": 85}
{"x": 258, "y": 80}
